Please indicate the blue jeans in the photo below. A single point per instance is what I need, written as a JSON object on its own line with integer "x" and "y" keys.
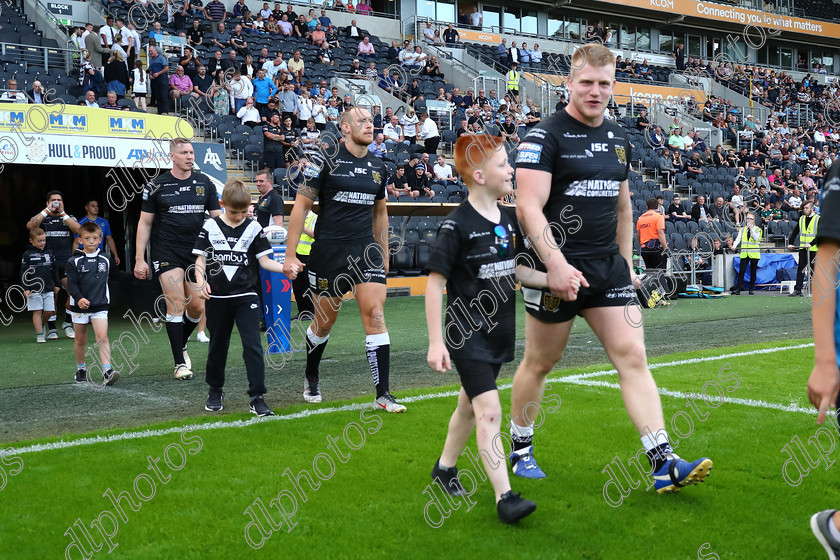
{"x": 238, "y": 104}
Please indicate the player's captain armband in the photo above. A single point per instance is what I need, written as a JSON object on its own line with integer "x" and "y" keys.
{"x": 528, "y": 152}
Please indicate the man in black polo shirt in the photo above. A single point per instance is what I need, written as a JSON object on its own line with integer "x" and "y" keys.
{"x": 572, "y": 173}
{"x": 60, "y": 229}
{"x": 273, "y": 146}
{"x": 270, "y": 206}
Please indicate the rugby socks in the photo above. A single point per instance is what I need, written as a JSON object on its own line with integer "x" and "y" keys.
{"x": 378, "y": 351}
{"x": 81, "y": 367}
{"x": 189, "y": 326}
{"x": 314, "y": 350}
{"x": 523, "y": 438}
{"x": 657, "y": 453}
{"x": 175, "y": 332}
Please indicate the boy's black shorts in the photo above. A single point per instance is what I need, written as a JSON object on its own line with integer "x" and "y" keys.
{"x": 477, "y": 377}
{"x": 336, "y": 267}
{"x": 609, "y": 286}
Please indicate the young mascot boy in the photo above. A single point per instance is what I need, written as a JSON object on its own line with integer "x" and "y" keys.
{"x": 87, "y": 284}
{"x": 39, "y": 277}
{"x": 234, "y": 245}
{"x": 824, "y": 383}
{"x": 474, "y": 259}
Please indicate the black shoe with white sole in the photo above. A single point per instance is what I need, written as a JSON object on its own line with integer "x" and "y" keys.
{"x": 110, "y": 377}
{"x": 81, "y": 376}
{"x": 214, "y": 400}
{"x": 259, "y": 407}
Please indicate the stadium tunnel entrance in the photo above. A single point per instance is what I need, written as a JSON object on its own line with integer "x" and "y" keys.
{"x": 23, "y": 193}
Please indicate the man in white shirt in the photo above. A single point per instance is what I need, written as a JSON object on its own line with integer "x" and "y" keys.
{"x": 106, "y": 37}
{"x": 443, "y": 171}
{"x": 393, "y": 131}
{"x": 13, "y": 94}
{"x": 241, "y": 88}
{"x": 476, "y": 18}
{"x": 271, "y": 67}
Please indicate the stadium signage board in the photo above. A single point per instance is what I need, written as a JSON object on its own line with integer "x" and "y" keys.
{"x": 57, "y": 118}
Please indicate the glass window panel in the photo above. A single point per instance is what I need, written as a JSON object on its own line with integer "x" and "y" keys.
{"x": 773, "y": 56}
{"x": 786, "y": 58}
{"x": 627, "y": 36}
{"x": 555, "y": 27}
{"x": 426, "y": 8}
{"x": 510, "y": 19}
{"x": 643, "y": 38}
{"x": 693, "y": 46}
{"x": 529, "y": 22}
{"x": 445, "y": 11}
{"x": 573, "y": 28}
{"x": 492, "y": 15}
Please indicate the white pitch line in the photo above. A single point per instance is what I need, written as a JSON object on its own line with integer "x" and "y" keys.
{"x": 680, "y": 395}
{"x": 577, "y": 379}
{"x": 601, "y": 373}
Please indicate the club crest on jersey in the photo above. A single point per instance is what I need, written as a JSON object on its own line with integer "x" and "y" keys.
{"x": 102, "y": 267}
{"x": 322, "y": 283}
{"x": 622, "y": 155}
{"x": 376, "y": 176}
{"x": 551, "y": 302}
{"x": 199, "y": 191}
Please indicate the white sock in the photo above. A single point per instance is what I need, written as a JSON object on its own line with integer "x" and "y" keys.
{"x": 522, "y": 432}
{"x": 832, "y": 529}
{"x": 652, "y": 441}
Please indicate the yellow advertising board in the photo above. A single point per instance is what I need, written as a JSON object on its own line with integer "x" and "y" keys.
{"x": 641, "y": 94}
{"x": 738, "y": 15}
{"x": 57, "y": 118}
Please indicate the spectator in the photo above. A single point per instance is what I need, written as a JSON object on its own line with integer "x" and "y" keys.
{"x": 451, "y": 37}
{"x": 432, "y": 68}
{"x": 297, "y": 66}
{"x": 666, "y": 166}
{"x": 287, "y": 102}
{"x": 285, "y": 25}
{"x": 394, "y": 132}
{"x": 230, "y": 62}
{"x": 324, "y": 20}
{"x": 513, "y": 53}
{"x": 642, "y": 122}
{"x": 378, "y": 147}
{"x": 159, "y": 73}
{"x": 524, "y": 56}
{"x": 676, "y": 212}
{"x": 676, "y": 140}
{"x": 502, "y": 53}
{"x": 429, "y": 34}
{"x": 476, "y": 18}
{"x": 366, "y": 50}
{"x": 179, "y": 84}
{"x": 325, "y": 55}
{"x": 429, "y": 133}
{"x": 717, "y": 211}
{"x": 111, "y": 103}
{"x": 536, "y": 57}
{"x": 90, "y": 100}
{"x": 215, "y": 11}
{"x": 693, "y": 168}
{"x": 248, "y": 114}
{"x": 273, "y": 151}
{"x": 736, "y": 203}
{"x": 189, "y": 63}
{"x": 241, "y": 89}
{"x": 352, "y": 31}
{"x": 238, "y": 42}
{"x": 37, "y": 93}
{"x": 443, "y": 172}
{"x": 409, "y": 123}
{"x": 420, "y": 186}
{"x": 215, "y": 63}
{"x": 700, "y": 212}
{"x": 221, "y": 38}
{"x": 195, "y": 35}
{"x": 272, "y": 67}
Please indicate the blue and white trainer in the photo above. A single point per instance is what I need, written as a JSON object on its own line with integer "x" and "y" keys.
{"x": 526, "y": 466}
{"x": 677, "y": 473}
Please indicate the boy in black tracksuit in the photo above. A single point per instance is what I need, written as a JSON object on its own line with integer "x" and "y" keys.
{"x": 39, "y": 278}
{"x": 234, "y": 245}
{"x": 87, "y": 284}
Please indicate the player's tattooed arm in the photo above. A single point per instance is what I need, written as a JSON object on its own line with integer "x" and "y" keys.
{"x": 309, "y": 191}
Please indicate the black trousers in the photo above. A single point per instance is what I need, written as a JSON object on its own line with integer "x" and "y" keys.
{"x": 741, "y": 271}
{"x": 806, "y": 258}
{"x": 160, "y": 85}
{"x": 431, "y": 144}
{"x": 300, "y": 287}
{"x": 222, "y": 313}
{"x": 653, "y": 258}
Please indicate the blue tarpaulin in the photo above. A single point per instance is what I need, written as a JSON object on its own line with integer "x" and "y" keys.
{"x": 767, "y": 267}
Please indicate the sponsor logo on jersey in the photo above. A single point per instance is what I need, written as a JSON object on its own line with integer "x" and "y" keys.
{"x": 599, "y": 146}
{"x": 624, "y": 292}
{"x": 529, "y": 152}
{"x": 570, "y": 135}
{"x": 496, "y": 269}
{"x": 593, "y": 188}
{"x": 354, "y": 197}
{"x": 360, "y": 171}
{"x": 622, "y": 155}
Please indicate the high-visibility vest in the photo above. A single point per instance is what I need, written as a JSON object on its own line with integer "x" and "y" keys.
{"x": 807, "y": 235}
{"x": 304, "y": 246}
{"x": 513, "y": 80}
{"x": 749, "y": 246}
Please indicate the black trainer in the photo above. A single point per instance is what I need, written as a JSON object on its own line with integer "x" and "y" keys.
{"x": 752, "y": 293}
{"x": 81, "y": 376}
{"x": 796, "y": 293}
{"x": 110, "y": 377}
{"x": 214, "y": 400}
{"x": 448, "y": 479}
{"x": 512, "y": 507}
{"x": 259, "y": 407}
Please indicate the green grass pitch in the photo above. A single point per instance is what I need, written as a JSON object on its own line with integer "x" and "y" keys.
{"x": 193, "y": 481}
